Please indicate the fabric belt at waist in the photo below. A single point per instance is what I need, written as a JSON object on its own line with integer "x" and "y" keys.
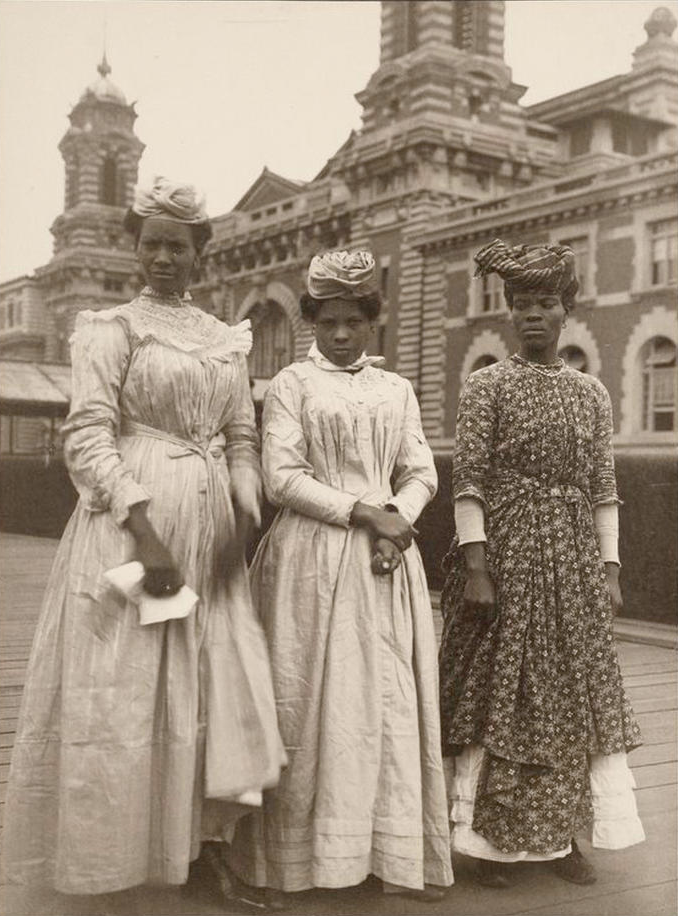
{"x": 214, "y": 448}
{"x": 536, "y": 488}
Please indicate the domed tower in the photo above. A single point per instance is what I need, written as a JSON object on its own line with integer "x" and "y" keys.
{"x": 101, "y": 153}
{"x": 93, "y": 265}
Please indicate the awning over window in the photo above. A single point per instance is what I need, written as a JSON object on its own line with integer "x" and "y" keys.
{"x": 34, "y": 389}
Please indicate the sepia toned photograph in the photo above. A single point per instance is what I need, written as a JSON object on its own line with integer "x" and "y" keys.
{"x": 338, "y": 457}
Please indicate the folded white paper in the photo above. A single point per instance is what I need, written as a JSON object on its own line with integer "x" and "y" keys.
{"x": 128, "y": 579}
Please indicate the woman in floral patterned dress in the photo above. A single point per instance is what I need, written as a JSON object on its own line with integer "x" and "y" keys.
{"x": 532, "y": 703}
{"x": 136, "y": 744}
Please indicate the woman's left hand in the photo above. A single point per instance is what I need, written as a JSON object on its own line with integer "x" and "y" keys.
{"x": 612, "y": 575}
{"x": 246, "y": 497}
{"x": 385, "y": 557}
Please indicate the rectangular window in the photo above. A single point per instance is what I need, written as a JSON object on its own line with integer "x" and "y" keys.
{"x": 491, "y": 296}
{"x": 383, "y": 280}
{"x": 381, "y": 339}
{"x": 664, "y": 252}
{"x": 580, "y": 246}
{"x": 620, "y": 138}
{"x": 11, "y": 315}
{"x": 580, "y": 140}
{"x": 663, "y": 388}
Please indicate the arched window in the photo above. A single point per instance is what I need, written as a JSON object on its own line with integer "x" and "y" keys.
{"x": 272, "y": 346}
{"x": 660, "y": 384}
{"x": 575, "y": 358}
{"x": 485, "y": 360}
{"x": 108, "y": 185}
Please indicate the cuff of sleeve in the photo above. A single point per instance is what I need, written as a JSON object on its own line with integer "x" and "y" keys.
{"x": 606, "y": 521}
{"x": 469, "y": 519}
{"x": 131, "y": 494}
{"x": 342, "y": 509}
{"x": 464, "y": 488}
{"x": 411, "y": 501}
{"x": 243, "y": 458}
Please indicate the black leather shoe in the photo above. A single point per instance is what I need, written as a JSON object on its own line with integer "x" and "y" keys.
{"x": 263, "y": 898}
{"x": 574, "y": 868}
{"x": 492, "y": 874}
{"x": 429, "y": 893}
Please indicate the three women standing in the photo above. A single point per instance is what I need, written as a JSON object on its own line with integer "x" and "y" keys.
{"x": 343, "y": 600}
{"x": 136, "y": 743}
{"x": 533, "y": 707}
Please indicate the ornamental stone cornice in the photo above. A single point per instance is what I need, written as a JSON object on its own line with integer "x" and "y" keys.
{"x": 535, "y": 207}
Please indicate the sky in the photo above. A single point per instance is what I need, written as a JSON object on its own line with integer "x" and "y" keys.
{"x": 226, "y": 87}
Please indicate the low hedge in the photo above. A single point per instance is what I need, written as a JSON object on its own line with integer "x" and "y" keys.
{"x": 38, "y": 500}
{"x": 648, "y": 545}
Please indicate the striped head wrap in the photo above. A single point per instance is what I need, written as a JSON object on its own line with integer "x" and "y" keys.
{"x": 527, "y": 267}
{"x": 171, "y": 200}
{"x": 341, "y": 275}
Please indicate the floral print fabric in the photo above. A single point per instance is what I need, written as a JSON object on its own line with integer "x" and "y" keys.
{"x": 539, "y": 687}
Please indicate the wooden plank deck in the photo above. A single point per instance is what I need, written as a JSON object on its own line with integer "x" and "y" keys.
{"x": 639, "y": 880}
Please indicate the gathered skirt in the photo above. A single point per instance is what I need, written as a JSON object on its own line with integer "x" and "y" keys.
{"x": 353, "y": 658}
{"x": 133, "y": 741}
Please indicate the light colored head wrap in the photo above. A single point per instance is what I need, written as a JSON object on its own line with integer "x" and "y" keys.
{"x": 547, "y": 267}
{"x": 341, "y": 275}
{"x": 171, "y": 200}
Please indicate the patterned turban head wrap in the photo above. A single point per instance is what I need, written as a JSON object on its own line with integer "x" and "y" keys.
{"x": 341, "y": 275}
{"x": 528, "y": 267}
{"x": 171, "y": 200}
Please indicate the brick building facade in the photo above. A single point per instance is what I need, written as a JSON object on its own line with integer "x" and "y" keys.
{"x": 445, "y": 160}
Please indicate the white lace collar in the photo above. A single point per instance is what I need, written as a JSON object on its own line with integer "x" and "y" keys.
{"x": 174, "y": 300}
{"x": 322, "y": 362}
{"x": 173, "y": 321}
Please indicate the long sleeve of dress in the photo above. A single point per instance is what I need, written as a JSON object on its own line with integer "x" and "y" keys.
{"x": 476, "y": 430}
{"x": 415, "y": 479}
{"x": 603, "y": 480}
{"x": 100, "y": 352}
{"x": 240, "y": 430}
{"x": 288, "y": 475}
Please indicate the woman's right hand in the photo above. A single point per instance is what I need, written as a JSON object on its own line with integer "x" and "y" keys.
{"x": 383, "y": 524}
{"x": 162, "y": 577}
{"x": 480, "y": 597}
{"x": 479, "y": 594}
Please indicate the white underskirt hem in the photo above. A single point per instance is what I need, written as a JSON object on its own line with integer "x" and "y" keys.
{"x": 616, "y": 823}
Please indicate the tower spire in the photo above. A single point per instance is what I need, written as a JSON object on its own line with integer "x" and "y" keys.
{"x": 104, "y": 67}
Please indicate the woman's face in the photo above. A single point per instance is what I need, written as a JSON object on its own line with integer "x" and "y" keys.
{"x": 167, "y": 254}
{"x": 538, "y": 318}
{"x": 342, "y": 331}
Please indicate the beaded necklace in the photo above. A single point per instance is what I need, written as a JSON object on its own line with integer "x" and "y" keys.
{"x": 548, "y": 369}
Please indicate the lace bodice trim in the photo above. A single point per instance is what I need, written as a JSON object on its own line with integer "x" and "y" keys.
{"x": 176, "y": 323}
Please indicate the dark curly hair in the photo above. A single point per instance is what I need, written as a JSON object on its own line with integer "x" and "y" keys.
{"x": 370, "y": 306}
{"x": 567, "y": 295}
{"x": 201, "y": 232}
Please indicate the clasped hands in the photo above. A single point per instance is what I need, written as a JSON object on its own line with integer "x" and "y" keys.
{"x": 391, "y": 534}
